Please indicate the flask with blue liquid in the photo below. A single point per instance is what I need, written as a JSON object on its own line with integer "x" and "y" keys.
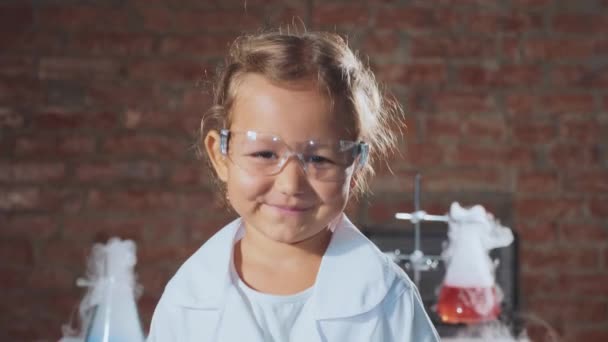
{"x": 108, "y": 311}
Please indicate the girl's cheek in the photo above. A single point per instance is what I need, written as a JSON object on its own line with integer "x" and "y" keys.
{"x": 343, "y": 188}
{"x": 247, "y": 186}
{"x": 332, "y": 192}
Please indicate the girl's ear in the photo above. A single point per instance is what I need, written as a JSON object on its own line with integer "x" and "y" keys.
{"x": 218, "y": 160}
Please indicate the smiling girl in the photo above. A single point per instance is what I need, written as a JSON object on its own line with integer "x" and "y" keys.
{"x": 296, "y": 121}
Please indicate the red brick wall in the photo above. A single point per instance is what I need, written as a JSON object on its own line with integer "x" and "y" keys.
{"x": 100, "y": 102}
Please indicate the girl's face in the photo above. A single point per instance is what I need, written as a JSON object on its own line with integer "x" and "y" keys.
{"x": 288, "y": 207}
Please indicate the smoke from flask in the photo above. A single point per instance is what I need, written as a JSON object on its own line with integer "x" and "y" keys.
{"x": 108, "y": 311}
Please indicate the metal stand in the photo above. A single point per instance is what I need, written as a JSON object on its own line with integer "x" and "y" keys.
{"x": 417, "y": 259}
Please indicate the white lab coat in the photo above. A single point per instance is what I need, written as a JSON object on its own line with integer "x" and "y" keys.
{"x": 359, "y": 295}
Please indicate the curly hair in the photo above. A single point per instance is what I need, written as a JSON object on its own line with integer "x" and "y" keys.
{"x": 326, "y": 58}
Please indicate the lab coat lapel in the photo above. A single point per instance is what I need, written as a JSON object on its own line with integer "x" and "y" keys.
{"x": 202, "y": 325}
{"x": 232, "y": 323}
{"x": 203, "y": 280}
{"x": 354, "y": 276}
{"x": 353, "y": 329}
{"x": 203, "y": 287}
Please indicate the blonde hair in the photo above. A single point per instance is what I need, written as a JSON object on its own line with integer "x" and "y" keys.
{"x": 327, "y": 59}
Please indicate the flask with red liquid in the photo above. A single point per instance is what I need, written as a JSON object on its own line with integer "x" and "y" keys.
{"x": 469, "y": 293}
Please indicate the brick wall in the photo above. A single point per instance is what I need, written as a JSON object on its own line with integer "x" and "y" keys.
{"x": 100, "y": 101}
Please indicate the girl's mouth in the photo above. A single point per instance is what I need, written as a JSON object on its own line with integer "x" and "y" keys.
{"x": 290, "y": 209}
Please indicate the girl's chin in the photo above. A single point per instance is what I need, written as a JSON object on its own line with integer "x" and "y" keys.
{"x": 286, "y": 234}
{"x": 292, "y": 235}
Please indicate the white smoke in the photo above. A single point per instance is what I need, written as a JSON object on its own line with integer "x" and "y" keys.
{"x": 496, "y": 331}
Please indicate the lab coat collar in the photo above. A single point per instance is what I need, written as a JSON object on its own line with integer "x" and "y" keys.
{"x": 203, "y": 280}
{"x": 354, "y": 275}
{"x": 353, "y": 278}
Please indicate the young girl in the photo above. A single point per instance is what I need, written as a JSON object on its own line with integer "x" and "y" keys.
{"x": 295, "y": 122}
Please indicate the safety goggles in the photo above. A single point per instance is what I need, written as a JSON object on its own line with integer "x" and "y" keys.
{"x": 262, "y": 154}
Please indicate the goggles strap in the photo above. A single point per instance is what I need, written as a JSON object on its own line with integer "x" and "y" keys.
{"x": 363, "y": 151}
{"x": 224, "y": 138}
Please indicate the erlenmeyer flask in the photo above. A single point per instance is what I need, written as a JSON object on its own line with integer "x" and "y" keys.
{"x": 114, "y": 315}
{"x": 468, "y": 304}
{"x": 108, "y": 312}
{"x": 469, "y": 293}
{"x": 115, "y": 319}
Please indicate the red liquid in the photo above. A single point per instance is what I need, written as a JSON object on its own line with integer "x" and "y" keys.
{"x": 468, "y": 304}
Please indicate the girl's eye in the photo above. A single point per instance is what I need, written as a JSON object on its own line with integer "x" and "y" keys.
{"x": 315, "y": 159}
{"x": 264, "y": 155}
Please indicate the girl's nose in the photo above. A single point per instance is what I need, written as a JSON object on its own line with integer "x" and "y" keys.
{"x": 292, "y": 178}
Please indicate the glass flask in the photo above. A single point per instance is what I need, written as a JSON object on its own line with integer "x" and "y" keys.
{"x": 468, "y": 304}
{"x": 469, "y": 293}
{"x": 108, "y": 311}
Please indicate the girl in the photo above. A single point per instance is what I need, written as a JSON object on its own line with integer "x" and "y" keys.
{"x": 295, "y": 122}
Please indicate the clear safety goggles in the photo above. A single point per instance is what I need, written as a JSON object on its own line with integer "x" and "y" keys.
{"x": 265, "y": 155}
